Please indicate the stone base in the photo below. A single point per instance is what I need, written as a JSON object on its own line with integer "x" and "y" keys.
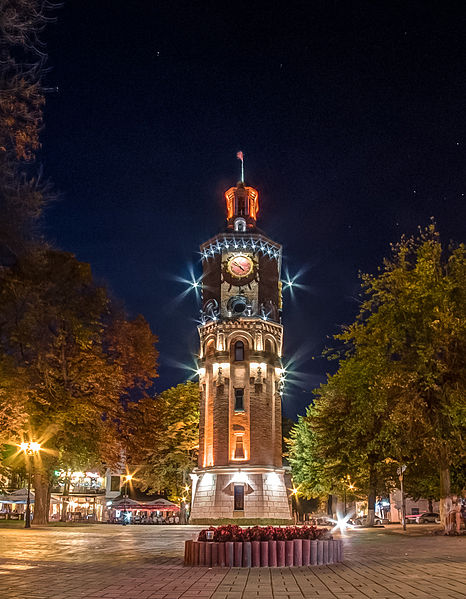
{"x": 266, "y": 499}
{"x": 265, "y": 554}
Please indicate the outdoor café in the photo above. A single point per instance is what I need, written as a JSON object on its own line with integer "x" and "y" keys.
{"x": 131, "y": 511}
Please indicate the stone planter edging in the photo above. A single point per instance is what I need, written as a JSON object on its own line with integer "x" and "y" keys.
{"x": 272, "y": 554}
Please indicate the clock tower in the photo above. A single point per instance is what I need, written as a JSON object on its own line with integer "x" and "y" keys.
{"x": 240, "y": 476}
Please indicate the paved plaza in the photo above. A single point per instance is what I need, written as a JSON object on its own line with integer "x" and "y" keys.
{"x": 116, "y": 562}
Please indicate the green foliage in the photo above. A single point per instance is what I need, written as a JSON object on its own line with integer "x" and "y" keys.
{"x": 307, "y": 467}
{"x": 69, "y": 359}
{"x": 168, "y": 449}
{"x": 399, "y": 395}
{"x": 413, "y": 325}
{"x": 22, "y": 193}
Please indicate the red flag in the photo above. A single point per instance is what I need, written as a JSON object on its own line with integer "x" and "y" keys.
{"x": 239, "y": 155}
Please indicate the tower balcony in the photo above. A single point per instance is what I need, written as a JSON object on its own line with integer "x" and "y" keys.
{"x": 263, "y": 336}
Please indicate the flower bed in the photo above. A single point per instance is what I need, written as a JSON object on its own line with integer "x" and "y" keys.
{"x": 232, "y": 532}
{"x": 266, "y": 546}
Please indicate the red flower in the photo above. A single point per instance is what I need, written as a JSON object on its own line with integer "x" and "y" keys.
{"x": 233, "y": 532}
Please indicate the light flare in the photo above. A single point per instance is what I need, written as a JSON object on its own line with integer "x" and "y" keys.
{"x": 342, "y": 523}
{"x": 292, "y": 281}
{"x": 191, "y": 283}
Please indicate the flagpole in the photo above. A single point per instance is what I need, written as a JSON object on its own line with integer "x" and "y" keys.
{"x": 240, "y": 156}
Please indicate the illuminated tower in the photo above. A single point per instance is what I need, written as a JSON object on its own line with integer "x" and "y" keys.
{"x": 240, "y": 474}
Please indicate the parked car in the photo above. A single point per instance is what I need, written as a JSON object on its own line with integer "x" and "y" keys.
{"x": 323, "y": 521}
{"x": 362, "y": 521}
{"x": 428, "y": 517}
{"x": 412, "y": 518}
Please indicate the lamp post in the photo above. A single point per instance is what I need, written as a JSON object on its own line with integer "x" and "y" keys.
{"x": 400, "y": 471}
{"x": 128, "y": 477}
{"x": 347, "y": 483}
{"x": 294, "y": 495}
{"x": 30, "y": 449}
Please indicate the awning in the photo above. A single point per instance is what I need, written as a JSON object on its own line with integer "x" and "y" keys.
{"x": 162, "y": 504}
{"x": 124, "y": 504}
{"x": 20, "y": 497}
{"x": 156, "y": 504}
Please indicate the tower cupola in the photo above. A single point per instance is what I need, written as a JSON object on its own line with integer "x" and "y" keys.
{"x": 242, "y": 207}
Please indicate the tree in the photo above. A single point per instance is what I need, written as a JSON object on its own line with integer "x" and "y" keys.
{"x": 74, "y": 361}
{"x": 307, "y": 467}
{"x": 413, "y": 319}
{"x": 399, "y": 393}
{"x": 343, "y": 434}
{"x": 22, "y": 58}
{"x": 167, "y": 442}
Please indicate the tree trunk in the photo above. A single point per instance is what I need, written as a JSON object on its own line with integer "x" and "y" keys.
{"x": 41, "y": 498}
{"x": 183, "y": 512}
{"x": 371, "y": 497}
{"x": 431, "y": 505}
{"x": 183, "y": 515}
{"x": 329, "y": 506}
{"x": 65, "y": 499}
{"x": 444, "y": 491}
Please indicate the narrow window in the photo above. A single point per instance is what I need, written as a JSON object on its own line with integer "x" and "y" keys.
{"x": 115, "y": 483}
{"x": 239, "y": 449}
{"x": 241, "y": 207}
{"x": 239, "y": 396}
{"x": 239, "y": 497}
{"x": 239, "y": 351}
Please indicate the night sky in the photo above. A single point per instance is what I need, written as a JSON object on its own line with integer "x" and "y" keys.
{"x": 351, "y": 117}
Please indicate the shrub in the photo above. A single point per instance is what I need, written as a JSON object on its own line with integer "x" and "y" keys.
{"x": 233, "y": 532}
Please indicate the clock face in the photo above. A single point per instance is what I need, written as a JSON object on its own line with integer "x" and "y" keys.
{"x": 240, "y": 266}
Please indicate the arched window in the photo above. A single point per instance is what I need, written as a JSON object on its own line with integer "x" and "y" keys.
{"x": 209, "y": 348}
{"x": 239, "y": 351}
{"x": 239, "y": 448}
{"x": 269, "y": 346}
{"x": 240, "y": 225}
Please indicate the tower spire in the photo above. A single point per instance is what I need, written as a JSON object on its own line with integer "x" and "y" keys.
{"x": 240, "y": 156}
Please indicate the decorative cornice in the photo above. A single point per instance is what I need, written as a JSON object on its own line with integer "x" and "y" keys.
{"x": 235, "y": 468}
{"x": 241, "y": 324}
{"x": 253, "y": 242}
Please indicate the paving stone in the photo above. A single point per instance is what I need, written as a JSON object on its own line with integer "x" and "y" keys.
{"x": 106, "y": 562}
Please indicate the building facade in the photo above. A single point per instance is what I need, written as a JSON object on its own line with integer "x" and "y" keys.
{"x": 240, "y": 476}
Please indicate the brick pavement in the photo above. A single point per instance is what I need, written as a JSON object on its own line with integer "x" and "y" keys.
{"x": 145, "y": 563}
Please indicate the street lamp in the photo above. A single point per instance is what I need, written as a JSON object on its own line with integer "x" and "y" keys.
{"x": 128, "y": 478}
{"x": 30, "y": 449}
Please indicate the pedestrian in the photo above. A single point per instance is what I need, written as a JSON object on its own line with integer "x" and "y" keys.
{"x": 455, "y": 515}
{"x": 463, "y": 507}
